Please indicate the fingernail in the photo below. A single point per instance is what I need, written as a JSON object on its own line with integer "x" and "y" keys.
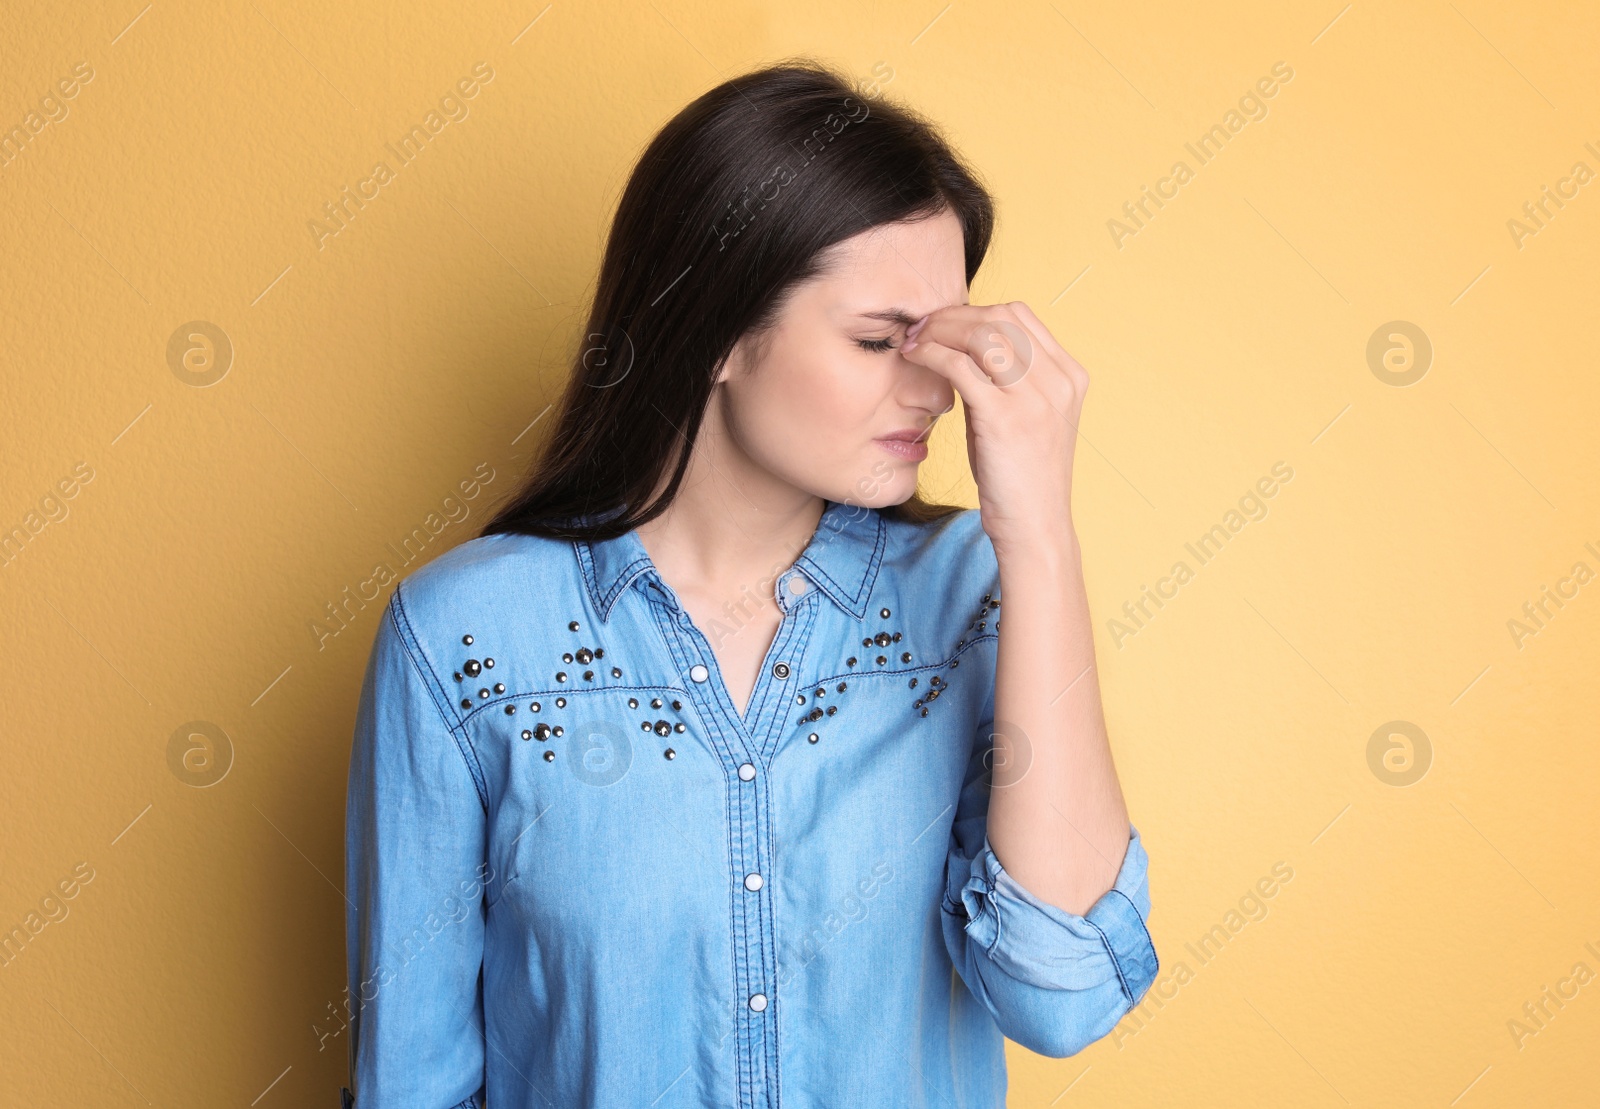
{"x": 916, "y": 327}
{"x": 907, "y": 345}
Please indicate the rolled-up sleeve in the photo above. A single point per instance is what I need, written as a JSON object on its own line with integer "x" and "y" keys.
{"x": 415, "y": 873}
{"x": 1055, "y": 981}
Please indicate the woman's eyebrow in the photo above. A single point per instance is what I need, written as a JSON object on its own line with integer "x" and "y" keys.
{"x": 891, "y": 315}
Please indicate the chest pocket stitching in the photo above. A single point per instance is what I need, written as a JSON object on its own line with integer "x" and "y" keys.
{"x": 802, "y": 723}
{"x": 905, "y": 669}
{"x": 545, "y": 695}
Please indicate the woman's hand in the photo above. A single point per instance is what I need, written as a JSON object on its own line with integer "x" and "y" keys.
{"x": 1023, "y": 395}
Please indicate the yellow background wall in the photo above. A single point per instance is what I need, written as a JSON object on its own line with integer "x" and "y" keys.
{"x": 184, "y": 539}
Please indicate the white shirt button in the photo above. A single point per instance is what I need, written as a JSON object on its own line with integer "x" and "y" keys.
{"x": 758, "y": 1001}
{"x": 698, "y": 672}
{"x": 752, "y": 881}
{"x": 747, "y": 771}
{"x": 798, "y": 585}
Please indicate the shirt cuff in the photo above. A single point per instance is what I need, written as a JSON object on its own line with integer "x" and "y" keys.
{"x": 1044, "y": 945}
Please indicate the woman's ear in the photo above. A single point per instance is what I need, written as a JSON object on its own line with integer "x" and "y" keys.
{"x": 733, "y": 360}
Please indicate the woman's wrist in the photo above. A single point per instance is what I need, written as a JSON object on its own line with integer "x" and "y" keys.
{"x": 1043, "y": 555}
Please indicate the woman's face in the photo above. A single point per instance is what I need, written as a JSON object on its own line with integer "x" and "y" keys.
{"x": 828, "y": 385}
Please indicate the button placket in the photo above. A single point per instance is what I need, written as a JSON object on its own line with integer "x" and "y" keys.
{"x": 844, "y": 558}
{"x": 751, "y": 926}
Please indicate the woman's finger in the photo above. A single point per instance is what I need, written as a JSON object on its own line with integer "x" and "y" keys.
{"x": 954, "y": 366}
{"x": 991, "y": 335}
{"x": 1041, "y": 334}
{"x": 1078, "y": 376}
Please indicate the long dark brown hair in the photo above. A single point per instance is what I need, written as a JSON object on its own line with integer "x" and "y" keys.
{"x": 725, "y": 213}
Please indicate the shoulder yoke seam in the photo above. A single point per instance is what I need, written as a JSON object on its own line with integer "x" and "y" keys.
{"x": 402, "y": 624}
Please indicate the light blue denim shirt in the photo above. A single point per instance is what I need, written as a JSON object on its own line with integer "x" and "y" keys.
{"x": 580, "y": 878}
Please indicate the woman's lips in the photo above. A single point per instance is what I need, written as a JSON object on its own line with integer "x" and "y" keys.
{"x": 909, "y": 445}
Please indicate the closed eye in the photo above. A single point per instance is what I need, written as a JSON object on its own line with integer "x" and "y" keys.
{"x": 876, "y": 346}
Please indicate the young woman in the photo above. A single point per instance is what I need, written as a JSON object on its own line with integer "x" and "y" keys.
{"x": 707, "y": 775}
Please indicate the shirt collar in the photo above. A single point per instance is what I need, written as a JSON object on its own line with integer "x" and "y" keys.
{"x": 841, "y": 560}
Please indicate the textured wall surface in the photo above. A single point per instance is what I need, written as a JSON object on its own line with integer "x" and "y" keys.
{"x": 1333, "y": 273}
